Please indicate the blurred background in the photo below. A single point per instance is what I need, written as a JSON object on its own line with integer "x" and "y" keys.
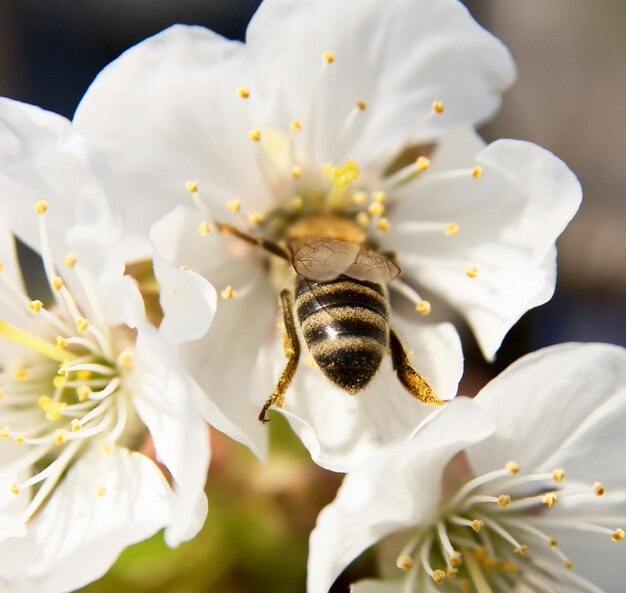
{"x": 570, "y": 97}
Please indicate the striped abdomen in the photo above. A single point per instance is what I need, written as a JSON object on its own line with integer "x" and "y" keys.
{"x": 345, "y": 323}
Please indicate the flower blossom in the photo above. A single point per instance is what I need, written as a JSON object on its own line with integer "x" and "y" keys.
{"x": 530, "y": 496}
{"x": 83, "y": 378}
{"x": 360, "y": 110}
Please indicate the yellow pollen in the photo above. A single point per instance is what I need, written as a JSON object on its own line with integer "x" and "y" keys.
{"x": 568, "y": 564}
{"x": 362, "y": 105}
{"x": 477, "y": 172}
{"x": 62, "y": 371}
{"x": 471, "y": 271}
{"x": 204, "y": 228}
{"x": 19, "y": 439}
{"x": 76, "y": 425}
{"x": 295, "y": 125}
{"x": 35, "y": 306}
{"x": 101, "y": 491}
{"x": 70, "y": 260}
{"x": 54, "y": 410}
{"x": 15, "y": 489}
{"x": 4, "y": 432}
{"x": 328, "y": 57}
{"x": 83, "y": 392}
{"x": 438, "y": 107}
{"x": 184, "y": 267}
{"x": 618, "y": 535}
{"x": 125, "y": 359}
{"x": 41, "y": 207}
{"x": 451, "y": 572}
{"x": 296, "y": 172}
{"x": 553, "y": 543}
{"x": 297, "y": 203}
{"x": 404, "y": 562}
{"x": 379, "y": 196}
{"x": 439, "y": 576}
{"x": 477, "y": 525}
{"x": 550, "y": 498}
{"x": 345, "y": 175}
{"x": 423, "y": 307}
{"x": 521, "y": 551}
{"x": 60, "y": 437}
{"x": 82, "y": 325}
{"x": 57, "y": 283}
{"x": 59, "y": 382}
{"x": 362, "y": 219}
{"x": 599, "y": 489}
{"x": 191, "y": 186}
{"x": 512, "y": 467}
{"x": 228, "y": 292}
{"x": 558, "y": 475}
{"x": 455, "y": 559}
{"x": 452, "y": 229}
{"x": 376, "y": 209}
{"x": 422, "y": 163}
{"x": 309, "y": 361}
{"x": 256, "y": 217}
{"x": 234, "y": 205}
{"x": 83, "y": 375}
{"x": 44, "y": 401}
{"x": 383, "y": 225}
{"x": 359, "y": 198}
{"x": 243, "y": 92}
{"x": 255, "y": 135}
{"x": 21, "y": 375}
{"x": 504, "y": 500}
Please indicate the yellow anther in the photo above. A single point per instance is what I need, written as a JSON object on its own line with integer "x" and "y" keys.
{"x": 438, "y": 107}
{"x": 451, "y": 572}
{"x": 76, "y": 425}
{"x": 376, "y": 209}
{"x": 83, "y": 392}
{"x": 59, "y": 382}
{"x": 477, "y": 172}
{"x": 204, "y": 228}
{"x": 328, "y": 57}
{"x": 243, "y": 92}
{"x": 480, "y": 554}
{"x": 1, "y": 394}
{"x": 599, "y": 488}
{"x": 439, "y": 576}
{"x": 618, "y": 535}
{"x": 255, "y": 135}
{"x": 295, "y": 125}
{"x": 471, "y": 271}
{"x": 101, "y": 491}
{"x": 509, "y": 567}
{"x": 423, "y": 307}
{"x": 568, "y": 564}
{"x": 455, "y": 559}
{"x": 191, "y": 186}
{"x": 70, "y": 260}
{"x": 362, "y": 219}
{"x": 15, "y": 489}
{"x": 21, "y": 375}
{"x": 83, "y": 375}
{"x": 1, "y": 266}
{"x": 44, "y": 401}
{"x": 57, "y": 283}
{"x": 477, "y": 525}
{"x": 422, "y": 163}
{"x": 309, "y": 361}
{"x": 19, "y": 439}
{"x": 504, "y": 500}
{"x": 521, "y": 550}
{"x": 35, "y": 306}
{"x": 451, "y": 229}
{"x": 228, "y": 292}
{"x": 256, "y": 217}
{"x": 184, "y": 267}
{"x": 297, "y": 203}
{"x": 550, "y": 498}
{"x": 125, "y": 359}
{"x": 41, "y": 207}
{"x": 296, "y": 172}
{"x": 512, "y": 467}
{"x": 5, "y": 432}
{"x": 553, "y": 543}
{"x": 362, "y": 105}
{"x": 82, "y": 325}
{"x": 379, "y": 196}
{"x": 404, "y": 562}
{"x": 62, "y": 371}
{"x": 359, "y": 198}
{"x": 54, "y": 410}
{"x": 558, "y": 475}
{"x": 60, "y": 437}
{"x": 234, "y": 205}
{"x": 345, "y": 175}
{"x": 383, "y": 225}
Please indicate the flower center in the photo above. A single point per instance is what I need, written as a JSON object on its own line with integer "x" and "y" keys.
{"x": 493, "y": 536}
{"x": 61, "y": 385}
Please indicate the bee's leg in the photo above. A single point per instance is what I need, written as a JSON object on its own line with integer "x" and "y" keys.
{"x": 266, "y": 244}
{"x": 291, "y": 344}
{"x": 414, "y": 383}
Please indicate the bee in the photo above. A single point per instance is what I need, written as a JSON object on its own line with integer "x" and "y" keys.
{"x": 342, "y": 306}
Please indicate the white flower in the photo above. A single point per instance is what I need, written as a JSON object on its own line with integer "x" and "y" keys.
{"x": 535, "y": 503}
{"x": 361, "y": 109}
{"x": 83, "y": 380}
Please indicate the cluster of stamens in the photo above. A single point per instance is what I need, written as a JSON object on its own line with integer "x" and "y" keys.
{"x": 63, "y": 389}
{"x": 494, "y": 535}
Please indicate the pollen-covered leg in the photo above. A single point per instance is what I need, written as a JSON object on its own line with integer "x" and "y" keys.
{"x": 414, "y": 383}
{"x": 270, "y": 246}
{"x": 291, "y": 345}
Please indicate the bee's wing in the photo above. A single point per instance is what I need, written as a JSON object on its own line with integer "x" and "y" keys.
{"x": 324, "y": 259}
{"x": 373, "y": 266}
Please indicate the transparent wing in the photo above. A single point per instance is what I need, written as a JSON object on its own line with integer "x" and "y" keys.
{"x": 373, "y": 267}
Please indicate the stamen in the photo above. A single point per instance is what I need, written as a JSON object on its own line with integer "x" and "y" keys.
{"x": 471, "y": 271}
{"x": 451, "y": 229}
{"x": 599, "y": 489}
{"x": 234, "y": 205}
{"x": 228, "y": 292}
{"x": 477, "y": 575}
{"x": 422, "y": 163}
{"x": 376, "y": 209}
{"x": 475, "y": 483}
{"x": 70, "y": 260}
{"x": 558, "y": 475}
{"x": 477, "y": 172}
{"x": 19, "y": 336}
{"x": 255, "y": 135}
{"x": 243, "y": 92}
{"x": 295, "y": 126}
{"x": 383, "y": 225}
{"x": 328, "y": 57}
{"x": 256, "y": 217}
{"x": 296, "y": 172}
{"x": 423, "y": 307}
{"x": 204, "y": 228}
{"x": 438, "y": 107}
{"x": 550, "y": 498}
{"x": 362, "y": 219}
{"x": 35, "y": 306}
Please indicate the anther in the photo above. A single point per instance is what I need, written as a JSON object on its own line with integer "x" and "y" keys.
{"x": 477, "y": 525}
{"x": 553, "y": 542}
{"x": 599, "y": 489}
{"x": 44, "y": 401}
{"x": 35, "y": 306}
{"x": 504, "y": 500}
{"x": 359, "y": 198}
{"x": 456, "y": 559}
{"x": 256, "y": 217}
{"x": 568, "y": 564}
{"x": 228, "y": 292}
{"x": 422, "y": 163}
{"x": 439, "y": 576}
{"x": 83, "y": 375}
{"x": 76, "y": 425}
{"x": 512, "y": 467}
{"x": 520, "y": 550}
{"x": 184, "y": 267}
{"x": 404, "y": 562}
{"x": 477, "y": 172}
{"x": 296, "y": 172}
{"x": 362, "y": 219}
{"x": 471, "y": 271}
{"x": 70, "y": 260}
{"x": 1, "y": 266}
{"x": 82, "y": 325}
{"x": 255, "y": 135}
{"x": 438, "y": 107}
{"x": 295, "y": 125}
{"x": 423, "y": 307}
{"x": 345, "y": 175}
{"x": 57, "y": 283}
{"x": 233, "y": 205}
{"x": 618, "y": 535}
{"x": 558, "y": 475}
{"x": 379, "y": 196}
{"x": 41, "y": 207}
{"x": 60, "y": 437}
{"x": 328, "y": 57}
{"x": 83, "y": 392}
{"x": 383, "y": 225}
{"x": 550, "y": 498}
{"x": 125, "y": 359}
{"x": 191, "y": 186}
{"x": 21, "y": 375}
{"x": 101, "y": 491}
{"x": 376, "y": 209}
{"x": 59, "y": 382}
{"x": 15, "y": 489}
{"x": 362, "y": 105}
{"x": 451, "y": 229}
{"x": 243, "y": 92}
{"x": 19, "y": 439}
{"x": 5, "y": 432}
{"x": 204, "y": 228}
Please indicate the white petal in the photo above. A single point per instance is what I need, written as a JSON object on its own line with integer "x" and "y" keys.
{"x": 509, "y": 219}
{"x": 398, "y": 56}
{"x": 162, "y": 399}
{"x": 561, "y": 407}
{"x": 398, "y": 488}
{"x": 78, "y": 534}
{"x": 193, "y": 127}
